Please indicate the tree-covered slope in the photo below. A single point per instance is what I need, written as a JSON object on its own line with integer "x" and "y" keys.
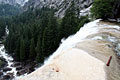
{"x": 36, "y": 34}
{"x": 7, "y": 10}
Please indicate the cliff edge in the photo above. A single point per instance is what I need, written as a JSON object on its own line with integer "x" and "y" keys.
{"x": 91, "y": 54}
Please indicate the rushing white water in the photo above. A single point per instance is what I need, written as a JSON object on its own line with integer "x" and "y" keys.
{"x": 115, "y": 41}
{"x": 7, "y": 31}
{"x": 9, "y": 60}
{"x": 7, "y": 57}
{"x": 87, "y": 29}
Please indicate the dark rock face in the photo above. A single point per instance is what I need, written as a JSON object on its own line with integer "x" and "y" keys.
{"x": 7, "y": 69}
{"x": 21, "y": 72}
{"x": 1, "y": 73}
{"x": 6, "y": 77}
{"x": 60, "y": 5}
{"x": 16, "y": 64}
{"x": 11, "y": 75}
{"x": 4, "y": 63}
{"x": 117, "y": 10}
{"x": 26, "y": 67}
{"x": 21, "y": 68}
{"x": 18, "y": 68}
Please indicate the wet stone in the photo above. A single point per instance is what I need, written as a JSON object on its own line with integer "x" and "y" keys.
{"x": 21, "y": 72}
{"x": 7, "y": 69}
{"x": 6, "y": 77}
{"x": 1, "y": 73}
{"x": 18, "y": 68}
{"x": 16, "y": 64}
{"x": 11, "y": 75}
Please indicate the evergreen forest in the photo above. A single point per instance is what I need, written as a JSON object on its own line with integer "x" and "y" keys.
{"x": 35, "y": 34}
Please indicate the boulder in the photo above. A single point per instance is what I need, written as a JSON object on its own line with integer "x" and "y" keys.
{"x": 16, "y": 64}
{"x": 4, "y": 63}
{"x": 7, "y": 69}
{"x": 21, "y": 72}
{"x": 6, "y": 77}
{"x": 31, "y": 70}
{"x": 18, "y": 68}
{"x": 11, "y": 75}
{"x": 1, "y": 73}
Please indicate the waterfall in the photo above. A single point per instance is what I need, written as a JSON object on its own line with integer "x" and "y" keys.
{"x": 81, "y": 35}
{"x": 71, "y": 41}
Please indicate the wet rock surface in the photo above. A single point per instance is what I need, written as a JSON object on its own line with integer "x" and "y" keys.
{"x": 15, "y": 64}
{"x": 3, "y": 63}
{"x": 11, "y": 75}
{"x": 7, "y": 69}
{"x": 21, "y": 68}
{"x": 18, "y": 68}
{"x": 1, "y": 73}
{"x": 6, "y": 77}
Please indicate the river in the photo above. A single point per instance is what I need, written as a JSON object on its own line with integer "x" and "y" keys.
{"x": 9, "y": 71}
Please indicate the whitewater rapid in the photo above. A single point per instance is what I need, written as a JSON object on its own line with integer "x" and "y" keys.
{"x": 9, "y": 61}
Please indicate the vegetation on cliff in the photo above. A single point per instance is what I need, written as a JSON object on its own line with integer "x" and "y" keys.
{"x": 7, "y": 10}
{"x": 36, "y": 34}
{"x": 104, "y": 9}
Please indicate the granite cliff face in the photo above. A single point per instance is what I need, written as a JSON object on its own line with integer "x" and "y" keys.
{"x": 60, "y": 5}
{"x": 14, "y": 2}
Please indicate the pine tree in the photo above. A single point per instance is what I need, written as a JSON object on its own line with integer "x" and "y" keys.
{"x": 39, "y": 57}
{"x": 102, "y": 9}
{"x": 69, "y": 22}
{"x": 17, "y": 50}
{"x": 22, "y": 49}
{"x": 32, "y": 50}
{"x": 49, "y": 42}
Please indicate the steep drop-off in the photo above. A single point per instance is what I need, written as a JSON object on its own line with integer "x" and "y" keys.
{"x": 84, "y": 55}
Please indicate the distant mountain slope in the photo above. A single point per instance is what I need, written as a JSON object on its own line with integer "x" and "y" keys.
{"x": 14, "y": 2}
{"x": 60, "y": 5}
{"x": 7, "y": 10}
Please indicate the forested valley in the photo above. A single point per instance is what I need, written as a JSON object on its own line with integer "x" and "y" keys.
{"x": 36, "y": 34}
